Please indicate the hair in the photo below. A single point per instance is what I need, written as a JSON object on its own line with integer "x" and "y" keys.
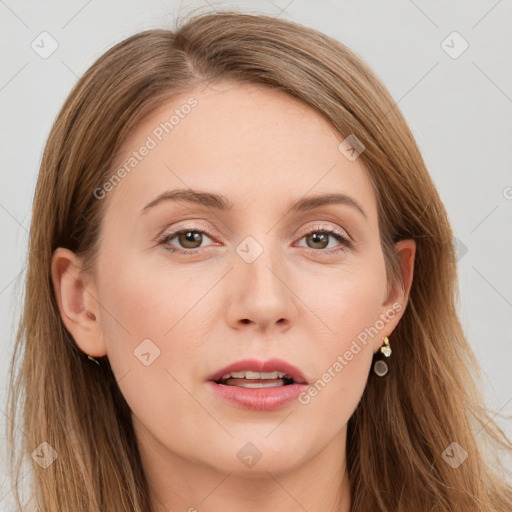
{"x": 404, "y": 422}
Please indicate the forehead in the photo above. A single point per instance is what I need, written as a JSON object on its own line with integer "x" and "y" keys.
{"x": 245, "y": 141}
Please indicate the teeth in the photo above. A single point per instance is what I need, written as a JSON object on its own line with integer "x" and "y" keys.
{"x": 259, "y": 385}
{"x": 256, "y": 375}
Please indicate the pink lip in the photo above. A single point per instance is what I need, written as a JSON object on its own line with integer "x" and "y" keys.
{"x": 260, "y": 399}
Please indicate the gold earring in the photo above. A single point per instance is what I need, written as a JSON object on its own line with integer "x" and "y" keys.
{"x": 93, "y": 359}
{"x": 386, "y": 349}
{"x": 380, "y": 367}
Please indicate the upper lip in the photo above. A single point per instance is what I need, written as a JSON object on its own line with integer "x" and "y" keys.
{"x": 255, "y": 365}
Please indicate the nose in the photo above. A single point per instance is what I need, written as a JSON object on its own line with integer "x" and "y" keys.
{"x": 261, "y": 293}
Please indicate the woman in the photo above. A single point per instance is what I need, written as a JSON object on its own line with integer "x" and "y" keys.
{"x": 241, "y": 290}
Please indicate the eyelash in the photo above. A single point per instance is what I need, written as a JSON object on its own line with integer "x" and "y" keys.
{"x": 340, "y": 237}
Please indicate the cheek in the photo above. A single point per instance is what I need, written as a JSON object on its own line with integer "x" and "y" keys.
{"x": 349, "y": 308}
{"x": 144, "y": 322}
{"x": 147, "y": 302}
{"x": 154, "y": 317}
{"x": 347, "y": 300}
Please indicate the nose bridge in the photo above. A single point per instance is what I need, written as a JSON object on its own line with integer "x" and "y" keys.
{"x": 262, "y": 294}
{"x": 260, "y": 264}
{"x": 263, "y": 271}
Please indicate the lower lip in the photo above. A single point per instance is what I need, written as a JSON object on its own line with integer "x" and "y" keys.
{"x": 258, "y": 399}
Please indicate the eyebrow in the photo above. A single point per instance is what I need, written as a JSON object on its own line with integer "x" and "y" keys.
{"x": 222, "y": 203}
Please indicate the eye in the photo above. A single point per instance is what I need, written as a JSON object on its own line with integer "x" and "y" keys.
{"x": 189, "y": 239}
{"x": 320, "y": 239}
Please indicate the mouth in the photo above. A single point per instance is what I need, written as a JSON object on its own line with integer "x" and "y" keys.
{"x": 254, "y": 380}
{"x": 258, "y": 385}
{"x": 253, "y": 373}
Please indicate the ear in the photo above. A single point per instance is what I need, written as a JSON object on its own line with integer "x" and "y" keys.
{"x": 393, "y": 306}
{"x": 78, "y": 306}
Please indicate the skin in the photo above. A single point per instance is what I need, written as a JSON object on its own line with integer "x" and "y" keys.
{"x": 298, "y": 301}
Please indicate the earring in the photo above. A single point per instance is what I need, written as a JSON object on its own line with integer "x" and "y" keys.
{"x": 93, "y": 359}
{"x": 380, "y": 367}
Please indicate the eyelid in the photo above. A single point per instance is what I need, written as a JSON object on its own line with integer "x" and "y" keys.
{"x": 325, "y": 227}
{"x": 175, "y": 229}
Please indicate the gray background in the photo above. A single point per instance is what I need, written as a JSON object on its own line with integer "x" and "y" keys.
{"x": 458, "y": 106}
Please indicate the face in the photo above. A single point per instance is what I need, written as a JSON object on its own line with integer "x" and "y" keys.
{"x": 183, "y": 289}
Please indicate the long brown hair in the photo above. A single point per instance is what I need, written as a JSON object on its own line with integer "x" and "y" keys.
{"x": 404, "y": 422}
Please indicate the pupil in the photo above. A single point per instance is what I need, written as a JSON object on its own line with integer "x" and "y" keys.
{"x": 190, "y": 238}
{"x": 320, "y": 239}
